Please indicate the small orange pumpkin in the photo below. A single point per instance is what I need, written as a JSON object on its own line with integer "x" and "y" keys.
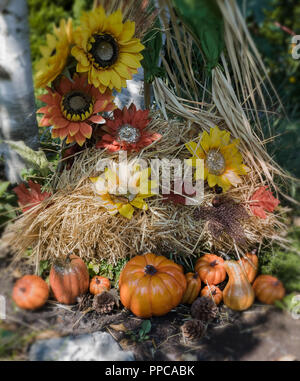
{"x": 192, "y": 289}
{"x": 249, "y": 263}
{"x": 238, "y": 293}
{"x": 268, "y": 289}
{"x": 151, "y": 285}
{"x": 213, "y": 292}
{"x": 30, "y": 292}
{"x": 210, "y": 268}
{"x": 69, "y": 278}
{"x": 99, "y": 284}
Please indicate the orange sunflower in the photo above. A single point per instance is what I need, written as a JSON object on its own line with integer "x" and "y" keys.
{"x": 127, "y": 131}
{"x": 73, "y": 107}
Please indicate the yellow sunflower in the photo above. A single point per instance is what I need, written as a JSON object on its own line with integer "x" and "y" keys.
{"x": 54, "y": 54}
{"x": 106, "y": 49}
{"x": 223, "y": 163}
{"x": 122, "y": 189}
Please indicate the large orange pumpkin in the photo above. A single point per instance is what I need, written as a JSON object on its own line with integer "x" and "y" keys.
{"x": 213, "y": 292}
{"x": 210, "y": 268}
{"x": 151, "y": 285}
{"x": 30, "y": 292}
{"x": 99, "y": 284}
{"x": 192, "y": 289}
{"x": 69, "y": 278}
{"x": 249, "y": 263}
{"x": 267, "y": 289}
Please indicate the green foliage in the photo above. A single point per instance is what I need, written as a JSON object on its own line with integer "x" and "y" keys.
{"x": 151, "y": 54}
{"x": 266, "y": 20}
{"x": 44, "y": 268}
{"x": 14, "y": 343}
{"x": 107, "y": 270}
{"x": 204, "y": 20}
{"x": 8, "y": 203}
{"x": 285, "y": 265}
{"x": 142, "y": 334}
{"x": 37, "y": 159}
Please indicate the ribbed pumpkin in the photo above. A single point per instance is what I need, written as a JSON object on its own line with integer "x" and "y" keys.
{"x": 69, "y": 278}
{"x": 213, "y": 292}
{"x": 99, "y": 284}
{"x": 151, "y": 285}
{"x": 192, "y": 289}
{"x": 267, "y": 289}
{"x": 250, "y": 264}
{"x": 238, "y": 293}
{"x": 30, "y": 292}
{"x": 210, "y": 268}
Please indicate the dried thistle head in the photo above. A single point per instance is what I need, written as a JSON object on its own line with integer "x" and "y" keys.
{"x": 225, "y": 216}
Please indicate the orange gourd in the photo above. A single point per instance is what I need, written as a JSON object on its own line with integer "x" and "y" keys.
{"x": 268, "y": 289}
{"x": 69, "y": 278}
{"x": 210, "y": 268}
{"x": 250, "y": 264}
{"x": 213, "y": 292}
{"x": 99, "y": 284}
{"x": 238, "y": 293}
{"x": 193, "y": 287}
{"x": 30, "y": 292}
{"x": 151, "y": 285}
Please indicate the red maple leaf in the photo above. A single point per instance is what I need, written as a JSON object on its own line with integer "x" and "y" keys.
{"x": 262, "y": 200}
{"x": 28, "y": 198}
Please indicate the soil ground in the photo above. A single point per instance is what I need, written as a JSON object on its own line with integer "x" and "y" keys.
{"x": 261, "y": 333}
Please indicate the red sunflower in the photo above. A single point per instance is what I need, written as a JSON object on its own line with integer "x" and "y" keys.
{"x": 73, "y": 107}
{"x": 127, "y": 131}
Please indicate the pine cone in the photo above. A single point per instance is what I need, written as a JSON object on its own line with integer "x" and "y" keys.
{"x": 193, "y": 330}
{"x": 104, "y": 303}
{"x": 204, "y": 309}
{"x": 85, "y": 302}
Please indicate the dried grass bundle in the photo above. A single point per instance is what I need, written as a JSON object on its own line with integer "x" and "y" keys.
{"x": 237, "y": 101}
{"x": 73, "y": 220}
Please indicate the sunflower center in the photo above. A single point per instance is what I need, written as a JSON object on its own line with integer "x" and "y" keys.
{"x": 77, "y": 106}
{"x": 128, "y": 134}
{"x": 104, "y": 50}
{"x": 215, "y": 162}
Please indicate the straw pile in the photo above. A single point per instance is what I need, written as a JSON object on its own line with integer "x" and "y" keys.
{"x": 72, "y": 220}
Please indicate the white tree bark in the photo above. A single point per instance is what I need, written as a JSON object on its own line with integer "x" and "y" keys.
{"x": 17, "y": 104}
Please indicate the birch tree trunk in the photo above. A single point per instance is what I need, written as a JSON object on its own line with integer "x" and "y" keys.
{"x": 17, "y": 104}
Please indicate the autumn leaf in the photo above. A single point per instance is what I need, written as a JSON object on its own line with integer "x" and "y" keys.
{"x": 30, "y": 197}
{"x": 262, "y": 200}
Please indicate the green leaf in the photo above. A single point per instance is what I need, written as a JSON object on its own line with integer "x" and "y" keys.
{"x": 3, "y": 187}
{"x": 43, "y": 266}
{"x": 151, "y": 54}
{"x": 204, "y": 20}
{"x": 37, "y": 159}
{"x": 146, "y": 326}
